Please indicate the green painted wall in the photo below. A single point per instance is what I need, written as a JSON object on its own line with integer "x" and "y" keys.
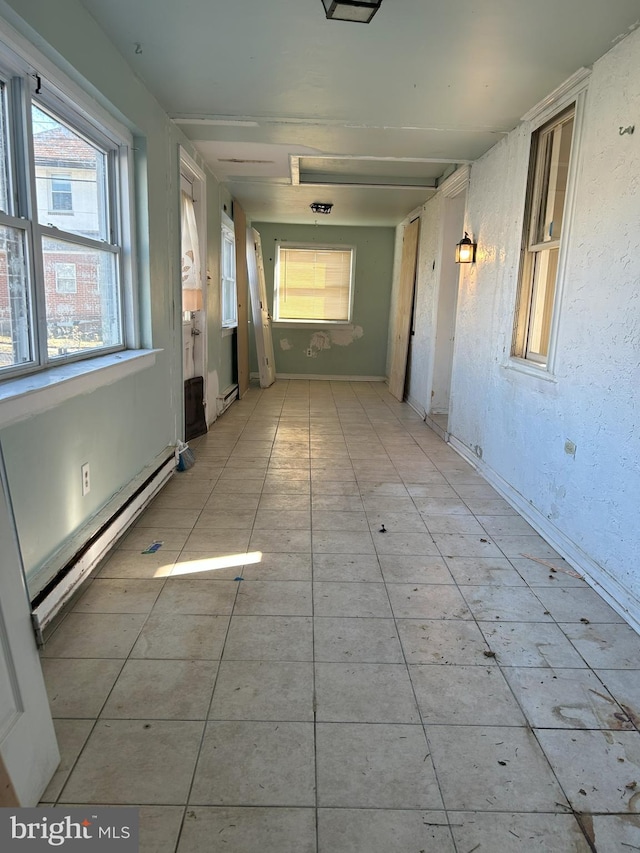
{"x": 119, "y": 429}
{"x": 337, "y": 351}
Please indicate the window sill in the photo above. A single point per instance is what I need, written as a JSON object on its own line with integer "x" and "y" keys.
{"x": 308, "y": 324}
{"x": 31, "y": 395}
{"x": 519, "y": 365}
{"x": 228, "y": 330}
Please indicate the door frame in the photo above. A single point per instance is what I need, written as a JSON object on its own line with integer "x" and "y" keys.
{"x": 192, "y": 172}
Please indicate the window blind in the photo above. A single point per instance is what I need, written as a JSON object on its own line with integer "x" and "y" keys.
{"x": 314, "y": 284}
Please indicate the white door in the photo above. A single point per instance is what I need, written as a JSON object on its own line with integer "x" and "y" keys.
{"x": 260, "y": 309}
{"x": 28, "y": 747}
{"x": 193, "y": 227}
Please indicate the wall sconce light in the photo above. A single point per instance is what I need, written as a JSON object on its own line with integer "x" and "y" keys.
{"x": 321, "y": 206}
{"x": 360, "y": 11}
{"x": 466, "y": 250}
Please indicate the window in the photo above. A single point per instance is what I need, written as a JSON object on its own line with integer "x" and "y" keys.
{"x": 229, "y": 297}
{"x": 313, "y": 284}
{"x": 66, "y": 281}
{"x": 547, "y": 195}
{"x": 61, "y": 195}
{"x": 62, "y": 205}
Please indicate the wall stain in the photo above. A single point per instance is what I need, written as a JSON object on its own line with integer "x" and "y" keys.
{"x": 340, "y": 337}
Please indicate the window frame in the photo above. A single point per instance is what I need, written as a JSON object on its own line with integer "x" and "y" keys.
{"x": 228, "y": 283}
{"x": 306, "y": 323}
{"x": 54, "y": 92}
{"x": 551, "y": 113}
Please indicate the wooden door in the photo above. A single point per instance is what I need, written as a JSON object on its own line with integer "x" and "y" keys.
{"x": 402, "y": 323}
{"x": 260, "y": 310}
{"x": 242, "y": 287}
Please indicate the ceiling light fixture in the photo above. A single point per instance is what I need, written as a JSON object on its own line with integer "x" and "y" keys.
{"x": 466, "y": 250}
{"x": 360, "y": 11}
{"x": 321, "y": 206}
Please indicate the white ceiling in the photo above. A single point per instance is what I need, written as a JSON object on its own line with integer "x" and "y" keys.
{"x": 255, "y": 83}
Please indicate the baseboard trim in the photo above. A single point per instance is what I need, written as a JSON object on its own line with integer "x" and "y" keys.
{"x": 619, "y": 598}
{"x": 415, "y": 405}
{"x": 52, "y": 598}
{"x": 320, "y": 377}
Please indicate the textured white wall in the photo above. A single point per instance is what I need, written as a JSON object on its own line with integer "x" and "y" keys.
{"x": 588, "y": 503}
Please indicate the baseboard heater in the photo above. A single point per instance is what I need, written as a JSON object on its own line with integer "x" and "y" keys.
{"x": 226, "y": 398}
{"x": 50, "y": 600}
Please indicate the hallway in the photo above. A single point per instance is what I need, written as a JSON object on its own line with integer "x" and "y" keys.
{"x": 283, "y": 676}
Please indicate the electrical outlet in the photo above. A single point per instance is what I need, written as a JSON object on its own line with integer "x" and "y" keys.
{"x": 309, "y": 352}
{"x": 86, "y": 479}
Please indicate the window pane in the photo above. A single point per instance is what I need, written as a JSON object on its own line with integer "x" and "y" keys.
{"x": 4, "y": 154}
{"x": 228, "y": 257}
{"x": 84, "y": 313}
{"x": 229, "y": 302}
{"x": 556, "y": 149}
{"x": 66, "y": 281}
{"x": 544, "y": 282}
{"x": 15, "y": 332}
{"x": 314, "y": 284}
{"x": 71, "y": 178}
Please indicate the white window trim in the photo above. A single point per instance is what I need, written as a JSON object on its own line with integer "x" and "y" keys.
{"x": 574, "y": 91}
{"x": 70, "y": 95}
{"x": 317, "y": 324}
{"x": 227, "y": 231}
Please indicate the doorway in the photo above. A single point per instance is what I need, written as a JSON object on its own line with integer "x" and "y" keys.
{"x": 193, "y": 275}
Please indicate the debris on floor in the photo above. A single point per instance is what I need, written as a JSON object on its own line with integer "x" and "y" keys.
{"x": 552, "y": 567}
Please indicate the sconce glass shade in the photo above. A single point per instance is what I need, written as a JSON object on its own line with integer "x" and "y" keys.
{"x": 466, "y": 250}
{"x": 360, "y": 11}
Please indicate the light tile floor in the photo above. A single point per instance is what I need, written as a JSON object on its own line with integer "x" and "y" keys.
{"x": 283, "y": 677}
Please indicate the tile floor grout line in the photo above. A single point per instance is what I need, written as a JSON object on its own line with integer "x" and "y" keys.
{"x": 313, "y": 653}
{"x": 124, "y": 663}
{"x": 211, "y": 698}
{"x": 352, "y": 407}
{"x": 417, "y": 703}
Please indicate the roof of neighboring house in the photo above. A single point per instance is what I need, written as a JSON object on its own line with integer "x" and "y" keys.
{"x": 61, "y": 148}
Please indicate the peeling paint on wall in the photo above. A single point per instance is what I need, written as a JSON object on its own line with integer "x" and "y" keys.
{"x": 346, "y": 335}
{"x": 340, "y": 337}
{"x": 285, "y": 344}
{"x": 320, "y": 341}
